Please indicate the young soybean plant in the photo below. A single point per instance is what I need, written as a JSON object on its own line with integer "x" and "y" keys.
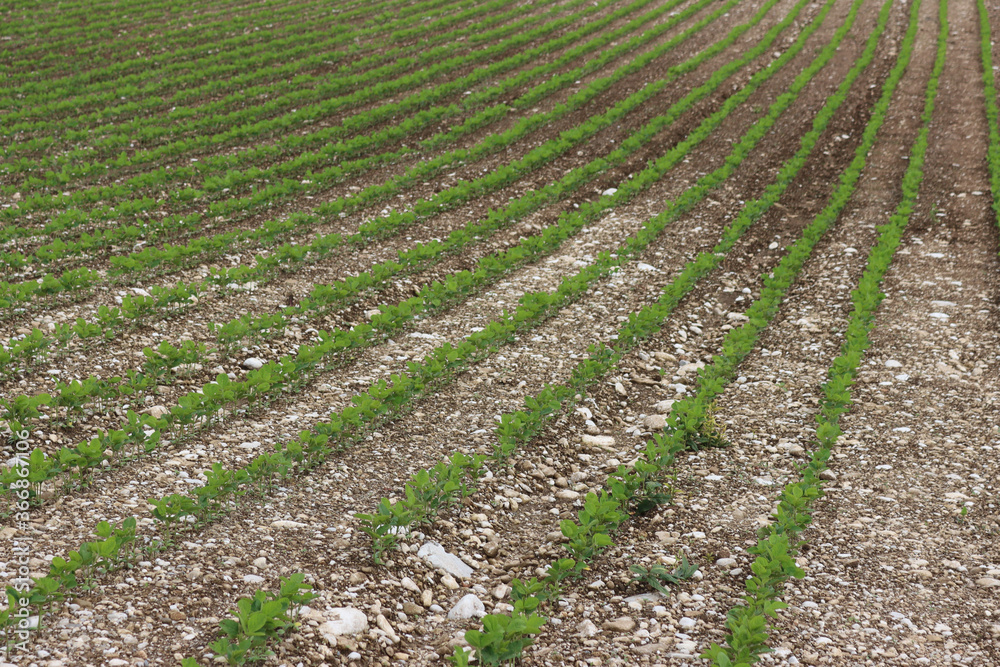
{"x": 258, "y": 620}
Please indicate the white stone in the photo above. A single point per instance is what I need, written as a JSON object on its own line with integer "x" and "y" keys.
{"x": 664, "y": 407}
{"x": 609, "y": 192}
{"x": 158, "y": 411}
{"x": 892, "y": 363}
{"x": 253, "y": 579}
{"x": 287, "y": 525}
{"x": 689, "y": 647}
{"x": 691, "y": 368}
{"x": 598, "y": 441}
{"x": 642, "y": 266}
{"x": 117, "y": 617}
{"x": 654, "y": 422}
{"x": 409, "y": 585}
{"x": 622, "y": 624}
{"x": 253, "y": 363}
{"x": 343, "y": 621}
{"x": 586, "y": 628}
{"x": 435, "y": 555}
{"x": 467, "y": 607}
{"x": 687, "y": 623}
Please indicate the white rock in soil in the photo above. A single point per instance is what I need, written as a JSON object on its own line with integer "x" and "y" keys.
{"x": 654, "y": 422}
{"x": 687, "y": 623}
{"x": 409, "y": 584}
{"x": 726, "y": 562}
{"x": 586, "y": 628}
{"x": 620, "y": 389}
{"x": 792, "y": 448}
{"x": 467, "y": 607}
{"x": 253, "y": 363}
{"x": 642, "y": 266}
{"x": 598, "y": 441}
{"x": 287, "y": 525}
{"x": 383, "y": 624}
{"x": 260, "y": 562}
{"x": 609, "y": 192}
{"x": 343, "y": 621}
{"x": 623, "y": 624}
{"x": 114, "y": 662}
{"x": 117, "y": 617}
{"x": 988, "y": 582}
{"x": 687, "y": 646}
{"x": 253, "y": 579}
{"x": 664, "y": 407}
{"x": 892, "y": 363}
{"x": 693, "y": 367}
{"x": 157, "y": 411}
{"x": 435, "y": 555}
{"x": 567, "y": 495}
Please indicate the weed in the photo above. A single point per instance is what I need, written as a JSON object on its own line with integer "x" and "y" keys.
{"x": 659, "y": 577}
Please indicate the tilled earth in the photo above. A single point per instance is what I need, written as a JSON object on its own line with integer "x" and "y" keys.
{"x": 901, "y": 561}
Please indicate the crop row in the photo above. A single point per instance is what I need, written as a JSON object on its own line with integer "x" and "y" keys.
{"x": 309, "y": 104}
{"x": 379, "y": 400}
{"x": 36, "y": 80}
{"x": 141, "y": 263}
{"x": 305, "y": 162}
{"x": 517, "y": 429}
{"x": 182, "y": 120}
{"x": 202, "y": 66}
{"x": 251, "y": 77}
{"x": 490, "y": 268}
{"x": 992, "y": 116}
{"x": 635, "y": 488}
{"x": 776, "y": 545}
{"x": 153, "y": 259}
{"x": 222, "y": 485}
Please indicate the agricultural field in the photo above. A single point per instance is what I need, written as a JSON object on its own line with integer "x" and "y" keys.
{"x": 482, "y": 332}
